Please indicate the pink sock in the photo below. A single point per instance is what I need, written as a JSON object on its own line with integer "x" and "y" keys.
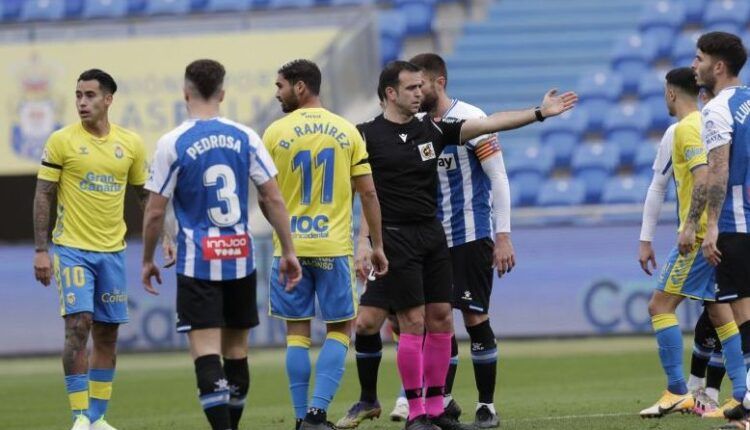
{"x": 409, "y": 360}
{"x": 437, "y": 356}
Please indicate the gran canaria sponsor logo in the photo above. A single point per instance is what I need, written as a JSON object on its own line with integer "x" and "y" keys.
{"x": 99, "y": 183}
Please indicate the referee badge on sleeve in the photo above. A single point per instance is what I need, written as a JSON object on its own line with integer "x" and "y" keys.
{"x": 426, "y": 151}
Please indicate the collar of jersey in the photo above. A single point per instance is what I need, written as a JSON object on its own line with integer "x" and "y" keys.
{"x": 454, "y": 102}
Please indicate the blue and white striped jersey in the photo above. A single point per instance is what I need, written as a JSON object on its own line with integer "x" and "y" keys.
{"x": 464, "y": 189}
{"x": 725, "y": 122}
{"x": 206, "y": 166}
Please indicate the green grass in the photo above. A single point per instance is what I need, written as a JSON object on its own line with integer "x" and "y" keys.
{"x": 575, "y": 384}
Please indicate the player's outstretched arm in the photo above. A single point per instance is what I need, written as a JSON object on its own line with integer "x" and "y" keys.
{"x": 274, "y": 209}
{"x": 371, "y": 210}
{"x": 45, "y": 194}
{"x": 716, "y": 190}
{"x": 553, "y": 104}
{"x": 153, "y": 221}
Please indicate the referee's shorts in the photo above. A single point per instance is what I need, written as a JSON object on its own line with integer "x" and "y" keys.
{"x": 419, "y": 268}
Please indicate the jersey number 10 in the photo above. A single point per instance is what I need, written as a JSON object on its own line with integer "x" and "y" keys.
{"x": 324, "y": 159}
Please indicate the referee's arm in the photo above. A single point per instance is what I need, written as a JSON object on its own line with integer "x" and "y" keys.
{"x": 552, "y": 105}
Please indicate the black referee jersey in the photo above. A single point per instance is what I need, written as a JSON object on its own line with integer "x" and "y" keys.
{"x": 404, "y": 160}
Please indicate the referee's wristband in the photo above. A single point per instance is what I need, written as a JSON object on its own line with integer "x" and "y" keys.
{"x": 538, "y": 114}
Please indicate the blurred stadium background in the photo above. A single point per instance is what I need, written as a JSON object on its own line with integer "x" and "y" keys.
{"x": 577, "y": 182}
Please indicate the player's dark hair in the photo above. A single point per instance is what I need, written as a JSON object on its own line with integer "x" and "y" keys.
{"x": 106, "y": 82}
{"x": 432, "y": 64}
{"x": 302, "y": 70}
{"x": 726, "y": 47}
{"x": 206, "y": 75}
{"x": 684, "y": 79}
{"x": 389, "y": 77}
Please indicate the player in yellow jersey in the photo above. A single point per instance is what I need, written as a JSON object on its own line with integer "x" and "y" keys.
{"x": 319, "y": 156}
{"x": 87, "y": 166}
{"x": 687, "y": 273}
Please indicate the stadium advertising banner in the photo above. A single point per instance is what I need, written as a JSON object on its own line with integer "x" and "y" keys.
{"x": 568, "y": 282}
{"x": 37, "y": 82}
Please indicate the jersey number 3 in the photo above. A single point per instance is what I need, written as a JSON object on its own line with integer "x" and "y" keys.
{"x": 226, "y": 194}
{"x": 323, "y": 159}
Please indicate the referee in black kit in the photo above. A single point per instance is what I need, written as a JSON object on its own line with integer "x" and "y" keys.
{"x": 403, "y": 151}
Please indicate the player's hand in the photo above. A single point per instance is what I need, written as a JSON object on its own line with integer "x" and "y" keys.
{"x": 379, "y": 262}
{"x": 503, "y": 256}
{"x": 710, "y": 251}
{"x": 646, "y": 257}
{"x": 148, "y": 270}
{"x": 290, "y": 272}
{"x": 169, "y": 251}
{"x": 686, "y": 240}
{"x": 42, "y": 267}
{"x": 362, "y": 263}
{"x": 554, "y": 104}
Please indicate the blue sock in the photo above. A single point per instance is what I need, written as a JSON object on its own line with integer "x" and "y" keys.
{"x": 669, "y": 338}
{"x": 298, "y": 371}
{"x": 329, "y": 369}
{"x": 731, "y": 344}
{"x": 100, "y": 391}
{"x": 77, "y": 387}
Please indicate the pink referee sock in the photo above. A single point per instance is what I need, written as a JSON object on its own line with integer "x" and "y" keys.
{"x": 437, "y": 356}
{"x": 409, "y": 360}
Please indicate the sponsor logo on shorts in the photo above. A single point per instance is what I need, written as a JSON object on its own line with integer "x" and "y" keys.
{"x": 114, "y": 297}
{"x": 325, "y": 263}
{"x": 226, "y": 247}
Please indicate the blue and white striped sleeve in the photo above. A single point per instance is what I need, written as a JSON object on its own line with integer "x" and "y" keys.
{"x": 262, "y": 167}
{"x": 164, "y": 168}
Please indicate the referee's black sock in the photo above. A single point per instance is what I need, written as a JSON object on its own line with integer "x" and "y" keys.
{"x": 484, "y": 358}
{"x": 369, "y": 348}
{"x": 451, "y": 376}
{"x": 238, "y": 376}
{"x": 213, "y": 391}
{"x": 745, "y": 336}
{"x": 705, "y": 339}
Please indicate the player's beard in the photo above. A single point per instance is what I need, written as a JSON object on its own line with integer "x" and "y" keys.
{"x": 428, "y": 104}
{"x": 289, "y": 105}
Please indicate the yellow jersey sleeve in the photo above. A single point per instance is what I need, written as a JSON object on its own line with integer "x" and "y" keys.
{"x": 360, "y": 162}
{"x": 689, "y": 145}
{"x": 269, "y": 138}
{"x": 52, "y": 158}
{"x": 138, "y": 173}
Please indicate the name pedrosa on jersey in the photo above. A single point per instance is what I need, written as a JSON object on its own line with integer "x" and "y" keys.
{"x": 99, "y": 183}
{"x": 318, "y": 128}
{"x": 212, "y": 142}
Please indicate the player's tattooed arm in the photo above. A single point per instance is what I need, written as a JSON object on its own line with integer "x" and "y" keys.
{"x": 45, "y": 194}
{"x": 718, "y": 165}
{"x": 686, "y": 238}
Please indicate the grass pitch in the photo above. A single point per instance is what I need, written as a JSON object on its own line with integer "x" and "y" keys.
{"x": 567, "y": 384}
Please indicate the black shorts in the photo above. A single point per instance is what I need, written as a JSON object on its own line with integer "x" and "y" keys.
{"x": 733, "y": 273}
{"x": 214, "y": 304}
{"x": 419, "y": 268}
{"x": 472, "y": 275}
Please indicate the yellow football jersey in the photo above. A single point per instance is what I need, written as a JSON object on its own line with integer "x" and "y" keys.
{"x": 688, "y": 152}
{"x": 317, "y": 153}
{"x": 92, "y": 174}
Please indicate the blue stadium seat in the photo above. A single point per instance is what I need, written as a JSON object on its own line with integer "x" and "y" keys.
{"x": 562, "y": 192}
{"x": 644, "y": 159}
{"x": 626, "y": 126}
{"x": 733, "y": 14}
{"x": 351, "y": 2}
{"x": 528, "y": 184}
{"x": 167, "y": 7}
{"x": 662, "y": 20}
{"x": 225, "y": 5}
{"x": 535, "y": 159}
{"x": 633, "y": 56}
{"x": 597, "y": 90}
{"x": 694, "y": 10}
{"x": 290, "y": 4}
{"x": 671, "y": 192}
{"x": 105, "y": 8}
{"x": 564, "y": 133}
{"x": 651, "y": 85}
{"x": 10, "y": 10}
{"x": 419, "y": 15}
{"x": 660, "y": 118}
{"x": 594, "y": 163}
{"x": 74, "y": 8}
{"x": 625, "y": 189}
{"x": 42, "y": 10}
{"x": 683, "y": 51}
{"x": 727, "y": 27}
{"x": 137, "y": 7}
{"x": 392, "y": 30}
{"x": 515, "y": 195}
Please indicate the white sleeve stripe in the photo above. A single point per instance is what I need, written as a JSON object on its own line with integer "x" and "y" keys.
{"x": 263, "y": 166}
{"x": 172, "y": 170}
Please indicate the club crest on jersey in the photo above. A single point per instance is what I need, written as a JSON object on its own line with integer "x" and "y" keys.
{"x": 227, "y": 247}
{"x": 447, "y": 161}
{"x": 118, "y": 152}
{"x": 426, "y": 151}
